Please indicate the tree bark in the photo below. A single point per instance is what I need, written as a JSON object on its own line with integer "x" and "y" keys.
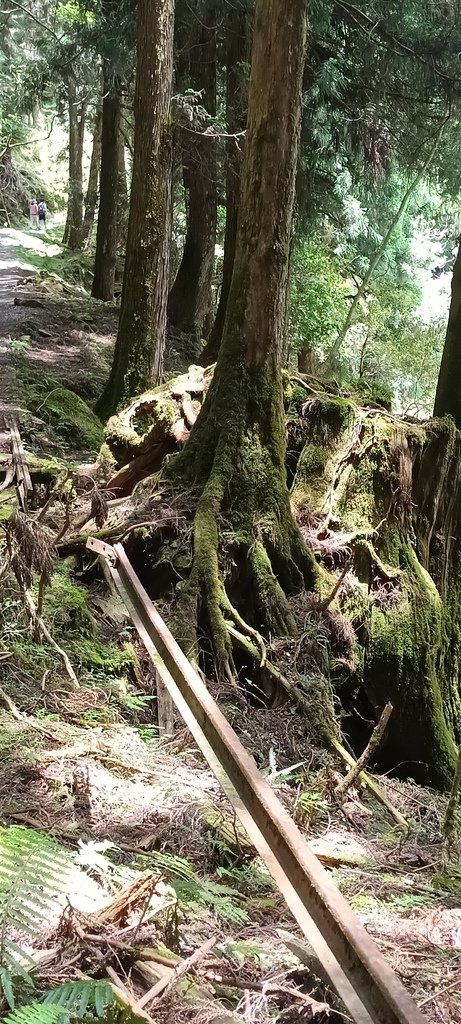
{"x": 106, "y": 234}
{"x": 235, "y": 455}
{"x": 190, "y": 299}
{"x": 91, "y": 198}
{"x": 73, "y": 228}
{"x": 236, "y": 100}
{"x": 448, "y": 394}
{"x": 122, "y": 194}
{"x": 138, "y": 356}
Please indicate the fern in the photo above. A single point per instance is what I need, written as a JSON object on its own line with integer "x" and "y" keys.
{"x": 79, "y": 996}
{"x": 33, "y": 871}
{"x": 37, "y": 1013}
{"x": 197, "y": 893}
{"x": 170, "y": 864}
{"x": 74, "y": 1003}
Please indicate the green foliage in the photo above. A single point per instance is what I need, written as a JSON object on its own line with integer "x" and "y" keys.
{"x": 33, "y": 870}
{"x": 317, "y": 296}
{"x": 310, "y": 805}
{"x": 195, "y": 893}
{"x": 81, "y": 996}
{"x": 74, "y": 1003}
{"x": 37, "y": 1013}
{"x": 65, "y": 603}
{"x": 391, "y": 347}
{"x": 450, "y": 880}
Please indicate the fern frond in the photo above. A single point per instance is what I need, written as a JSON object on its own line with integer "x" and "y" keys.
{"x": 37, "y": 1013}
{"x": 169, "y": 865}
{"x": 79, "y": 996}
{"x": 33, "y": 872}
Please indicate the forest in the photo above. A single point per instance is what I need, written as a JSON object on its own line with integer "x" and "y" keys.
{"x": 230, "y": 483}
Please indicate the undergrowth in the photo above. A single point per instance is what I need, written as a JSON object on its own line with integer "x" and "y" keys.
{"x": 103, "y": 658}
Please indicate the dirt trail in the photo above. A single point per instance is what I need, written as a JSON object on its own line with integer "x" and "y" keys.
{"x": 11, "y": 271}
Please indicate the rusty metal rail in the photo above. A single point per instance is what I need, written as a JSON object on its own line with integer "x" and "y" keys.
{"x": 369, "y": 989}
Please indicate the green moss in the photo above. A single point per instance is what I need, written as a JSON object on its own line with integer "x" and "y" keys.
{"x": 103, "y": 659}
{"x": 273, "y": 609}
{"x": 329, "y": 426}
{"x": 155, "y": 415}
{"x": 46, "y": 467}
{"x": 295, "y": 398}
{"x": 235, "y": 459}
{"x": 402, "y": 667}
{"x": 308, "y": 493}
{"x": 372, "y": 392}
{"x": 8, "y": 502}
{"x": 73, "y": 420}
{"x": 357, "y": 506}
{"x": 65, "y": 604}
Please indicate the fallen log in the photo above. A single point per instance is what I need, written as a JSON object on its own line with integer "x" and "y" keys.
{"x": 167, "y": 414}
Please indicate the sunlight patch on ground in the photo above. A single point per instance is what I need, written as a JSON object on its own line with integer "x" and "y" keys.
{"x": 29, "y": 240}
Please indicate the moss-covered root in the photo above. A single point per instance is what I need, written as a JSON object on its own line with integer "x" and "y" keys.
{"x": 401, "y": 666}
{"x": 265, "y": 544}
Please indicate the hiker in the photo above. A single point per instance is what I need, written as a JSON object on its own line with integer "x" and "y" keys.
{"x": 33, "y": 213}
{"x": 42, "y": 214}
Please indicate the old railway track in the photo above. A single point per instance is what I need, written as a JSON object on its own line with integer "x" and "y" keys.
{"x": 369, "y": 989}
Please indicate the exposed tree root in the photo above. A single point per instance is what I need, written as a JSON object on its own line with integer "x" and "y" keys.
{"x": 385, "y": 575}
{"x": 327, "y": 727}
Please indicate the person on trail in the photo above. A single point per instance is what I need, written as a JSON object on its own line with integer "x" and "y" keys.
{"x": 33, "y": 213}
{"x": 42, "y": 214}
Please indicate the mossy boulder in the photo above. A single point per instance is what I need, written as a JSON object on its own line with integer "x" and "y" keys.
{"x": 73, "y": 420}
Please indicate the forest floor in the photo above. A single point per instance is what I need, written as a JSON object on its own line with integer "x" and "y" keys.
{"x": 89, "y": 768}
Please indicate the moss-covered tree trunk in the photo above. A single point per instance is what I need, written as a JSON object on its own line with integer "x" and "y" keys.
{"x": 138, "y": 356}
{"x": 448, "y": 395}
{"x": 106, "y": 233}
{"x": 235, "y": 455}
{"x": 377, "y": 501}
{"x": 190, "y": 299}
{"x": 236, "y": 95}
{"x": 91, "y": 198}
{"x": 73, "y": 228}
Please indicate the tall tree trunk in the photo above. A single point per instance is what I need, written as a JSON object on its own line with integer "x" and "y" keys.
{"x": 138, "y": 356}
{"x": 122, "y": 193}
{"x": 106, "y": 234}
{"x": 190, "y": 300}
{"x": 235, "y": 455}
{"x": 448, "y": 394}
{"x": 236, "y": 99}
{"x": 74, "y": 220}
{"x": 91, "y": 198}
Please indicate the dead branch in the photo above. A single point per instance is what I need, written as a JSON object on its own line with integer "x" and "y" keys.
{"x": 38, "y": 621}
{"x": 370, "y": 783}
{"x": 124, "y": 995}
{"x": 372, "y": 745}
{"x": 119, "y": 908}
{"x": 164, "y": 985}
{"x": 323, "y": 605}
{"x": 6, "y": 700}
{"x": 269, "y": 988}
